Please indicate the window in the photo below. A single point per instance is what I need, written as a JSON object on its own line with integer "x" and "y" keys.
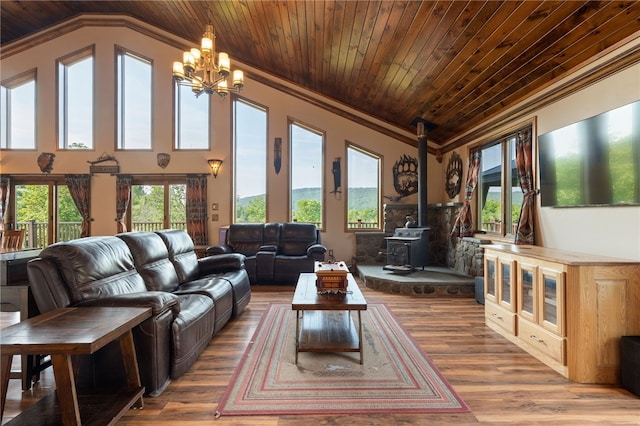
{"x": 363, "y": 189}
{"x": 498, "y": 187}
{"x": 134, "y": 110}
{"x": 250, "y": 162}
{"x": 191, "y": 114}
{"x": 18, "y": 119}
{"x": 75, "y": 101}
{"x": 157, "y": 203}
{"x": 307, "y": 146}
{"x": 46, "y": 210}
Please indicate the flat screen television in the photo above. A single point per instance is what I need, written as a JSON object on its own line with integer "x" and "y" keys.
{"x": 594, "y": 162}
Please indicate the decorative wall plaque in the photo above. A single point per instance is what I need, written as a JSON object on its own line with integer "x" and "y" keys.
{"x": 453, "y": 178}
{"x": 405, "y": 175}
{"x": 104, "y": 168}
{"x": 45, "y": 162}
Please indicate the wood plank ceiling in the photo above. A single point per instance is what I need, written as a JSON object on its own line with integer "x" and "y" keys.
{"x": 451, "y": 63}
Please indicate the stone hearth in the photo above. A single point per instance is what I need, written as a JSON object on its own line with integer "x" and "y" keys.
{"x": 432, "y": 281}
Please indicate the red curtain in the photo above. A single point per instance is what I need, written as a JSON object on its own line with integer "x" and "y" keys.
{"x": 526, "y": 230}
{"x": 463, "y": 226}
{"x": 123, "y": 197}
{"x": 197, "y": 209}
{"x": 80, "y": 190}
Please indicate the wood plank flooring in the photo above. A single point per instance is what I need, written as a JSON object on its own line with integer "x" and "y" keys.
{"x": 501, "y": 383}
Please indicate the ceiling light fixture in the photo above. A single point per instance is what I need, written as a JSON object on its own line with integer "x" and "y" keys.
{"x": 199, "y": 70}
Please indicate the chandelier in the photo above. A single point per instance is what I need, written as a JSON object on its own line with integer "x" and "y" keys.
{"x": 199, "y": 70}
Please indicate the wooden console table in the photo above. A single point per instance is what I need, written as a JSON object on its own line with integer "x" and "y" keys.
{"x": 75, "y": 331}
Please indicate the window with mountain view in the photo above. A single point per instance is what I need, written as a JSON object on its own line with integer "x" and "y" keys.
{"x": 306, "y": 174}
{"x": 75, "y": 100}
{"x": 363, "y": 189}
{"x": 18, "y": 112}
{"x": 250, "y": 162}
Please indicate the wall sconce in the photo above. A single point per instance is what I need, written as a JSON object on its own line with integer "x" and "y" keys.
{"x": 215, "y": 166}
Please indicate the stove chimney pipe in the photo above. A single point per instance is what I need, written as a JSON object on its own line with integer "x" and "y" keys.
{"x": 422, "y": 173}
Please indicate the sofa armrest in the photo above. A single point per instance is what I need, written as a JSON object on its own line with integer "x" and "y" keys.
{"x": 270, "y": 248}
{"x": 225, "y": 262}
{"x": 158, "y": 301}
{"x": 219, "y": 249}
{"x": 316, "y": 251}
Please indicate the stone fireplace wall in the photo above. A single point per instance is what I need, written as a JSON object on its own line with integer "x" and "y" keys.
{"x": 464, "y": 255}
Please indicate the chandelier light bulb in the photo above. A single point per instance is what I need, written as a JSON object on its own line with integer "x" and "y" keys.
{"x": 199, "y": 70}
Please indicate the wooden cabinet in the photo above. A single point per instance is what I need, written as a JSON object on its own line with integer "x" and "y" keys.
{"x": 567, "y": 309}
{"x": 500, "y": 290}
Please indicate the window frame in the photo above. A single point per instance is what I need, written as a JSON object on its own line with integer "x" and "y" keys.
{"x": 323, "y": 136}
{"x": 345, "y": 185}
{"x": 508, "y": 226}
{"x": 234, "y": 207}
{"x": 53, "y": 182}
{"x": 30, "y": 76}
{"x": 155, "y": 180}
{"x": 120, "y": 142}
{"x": 177, "y": 118}
{"x": 62, "y": 97}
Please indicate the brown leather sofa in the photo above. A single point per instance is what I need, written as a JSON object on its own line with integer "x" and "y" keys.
{"x": 275, "y": 253}
{"x": 191, "y": 299}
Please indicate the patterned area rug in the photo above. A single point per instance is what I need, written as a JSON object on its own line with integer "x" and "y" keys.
{"x": 396, "y": 377}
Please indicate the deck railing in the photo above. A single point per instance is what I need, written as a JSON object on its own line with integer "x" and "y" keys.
{"x": 37, "y": 233}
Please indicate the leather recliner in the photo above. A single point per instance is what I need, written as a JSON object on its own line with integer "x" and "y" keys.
{"x": 275, "y": 253}
{"x": 191, "y": 299}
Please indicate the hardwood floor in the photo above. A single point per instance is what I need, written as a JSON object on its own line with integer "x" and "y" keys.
{"x": 501, "y": 383}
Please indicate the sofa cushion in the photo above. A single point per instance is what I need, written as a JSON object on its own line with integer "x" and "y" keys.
{"x": 245, "y": 238}
{"x": 191, "y": 331}
{"x": 218, "y": 290}
{"x": 151, "y": 259}
{"x": 95, "y": 267}
{"x": 181, "y": 254}
{"x": 295, "y": 238}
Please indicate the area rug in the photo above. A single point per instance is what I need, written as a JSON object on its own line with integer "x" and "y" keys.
{"x": 396, "y": 376}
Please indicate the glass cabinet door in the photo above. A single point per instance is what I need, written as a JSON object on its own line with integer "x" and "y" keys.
{"x": 552, "y": 300}
{"x": 507, "y": 270}
{"x": 490, "y": 277}
{"x": 526, "y": 291}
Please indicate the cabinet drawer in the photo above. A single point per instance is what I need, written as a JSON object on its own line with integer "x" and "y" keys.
{"x": 542, "y": 340}
{"x": 501, "y": 316}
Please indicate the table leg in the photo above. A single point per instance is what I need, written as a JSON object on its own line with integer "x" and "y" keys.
{"x": 297, "y": 334}
{"x": 360, "y": 338}
{"x": 130, "y": 364}
{"x": 5, "y": 369}
{"x": 66, "y": 389}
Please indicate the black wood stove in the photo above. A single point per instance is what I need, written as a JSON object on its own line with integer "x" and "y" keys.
{"x": 407, "y": 249}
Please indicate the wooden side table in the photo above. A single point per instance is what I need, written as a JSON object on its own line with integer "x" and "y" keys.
{"x": 76, "y": 331}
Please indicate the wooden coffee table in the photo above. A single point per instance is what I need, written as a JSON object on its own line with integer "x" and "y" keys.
{"x": 75, "y": 331}
{"x": 323, "y": 321}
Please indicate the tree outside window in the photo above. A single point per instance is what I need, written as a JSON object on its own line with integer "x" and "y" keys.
{"x": 498, "y": 187}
